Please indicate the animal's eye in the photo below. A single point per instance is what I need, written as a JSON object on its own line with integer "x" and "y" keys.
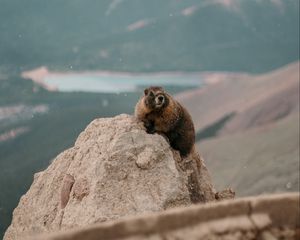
{"x": 146, "y": 91}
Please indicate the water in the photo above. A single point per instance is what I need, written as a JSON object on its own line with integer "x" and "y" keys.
{"x": 112, "y": 83}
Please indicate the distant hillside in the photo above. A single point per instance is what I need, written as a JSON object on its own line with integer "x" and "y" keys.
{"x": 260, "y": 160}
{"x": 142, "y": 35}
{"x": 248, "y": 127}
{"x": 253, "y": 99}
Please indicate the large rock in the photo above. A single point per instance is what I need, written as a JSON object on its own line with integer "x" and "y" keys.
{"x": 265, "y": 217}
{"x": 115, "y": 169}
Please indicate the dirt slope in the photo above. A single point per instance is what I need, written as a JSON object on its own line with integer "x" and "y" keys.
{"x": 260, "y": 160}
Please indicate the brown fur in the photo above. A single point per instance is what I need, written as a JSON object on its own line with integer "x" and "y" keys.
{"x": 169, "y": 118}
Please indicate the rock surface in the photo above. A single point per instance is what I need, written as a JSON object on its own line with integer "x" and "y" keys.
{"x": 265, "y": 217}
{"x": 115, "y": 169}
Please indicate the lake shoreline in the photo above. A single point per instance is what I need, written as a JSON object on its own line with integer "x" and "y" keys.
{"x": 62, "y": 81}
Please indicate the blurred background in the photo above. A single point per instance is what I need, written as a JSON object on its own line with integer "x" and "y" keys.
{"x": 233, "y": 63}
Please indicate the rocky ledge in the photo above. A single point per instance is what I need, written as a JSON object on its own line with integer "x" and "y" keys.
{"x": 115, "y": 169}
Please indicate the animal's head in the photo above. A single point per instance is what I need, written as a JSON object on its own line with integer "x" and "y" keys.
{"x": 155, "y": 98}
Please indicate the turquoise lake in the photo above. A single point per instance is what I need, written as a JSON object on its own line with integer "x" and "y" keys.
{"x": 121, "y": 83}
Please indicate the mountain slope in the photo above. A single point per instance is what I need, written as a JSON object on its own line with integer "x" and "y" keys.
{"x": 260, "y": 160}
{"x": 235, "y": 35}
{"x": 254, "y": 99}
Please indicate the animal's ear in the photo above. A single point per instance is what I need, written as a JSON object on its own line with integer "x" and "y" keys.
{"x": 146, "y": 91}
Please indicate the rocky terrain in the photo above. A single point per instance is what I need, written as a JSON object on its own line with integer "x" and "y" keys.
{"x": 116, "y": 177}
{"x": 255, "y": 151}
{"x": 115, "y": 169}
{"x": 256, "y": 218}
{"x": 251, "y": 120}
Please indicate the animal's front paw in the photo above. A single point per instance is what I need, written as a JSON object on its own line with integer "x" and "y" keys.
{"x": 150, "y": 130}
{"x": 149, "y": 127}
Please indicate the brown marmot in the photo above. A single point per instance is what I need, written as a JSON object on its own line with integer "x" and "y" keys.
{"x": 161, "y": 113}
